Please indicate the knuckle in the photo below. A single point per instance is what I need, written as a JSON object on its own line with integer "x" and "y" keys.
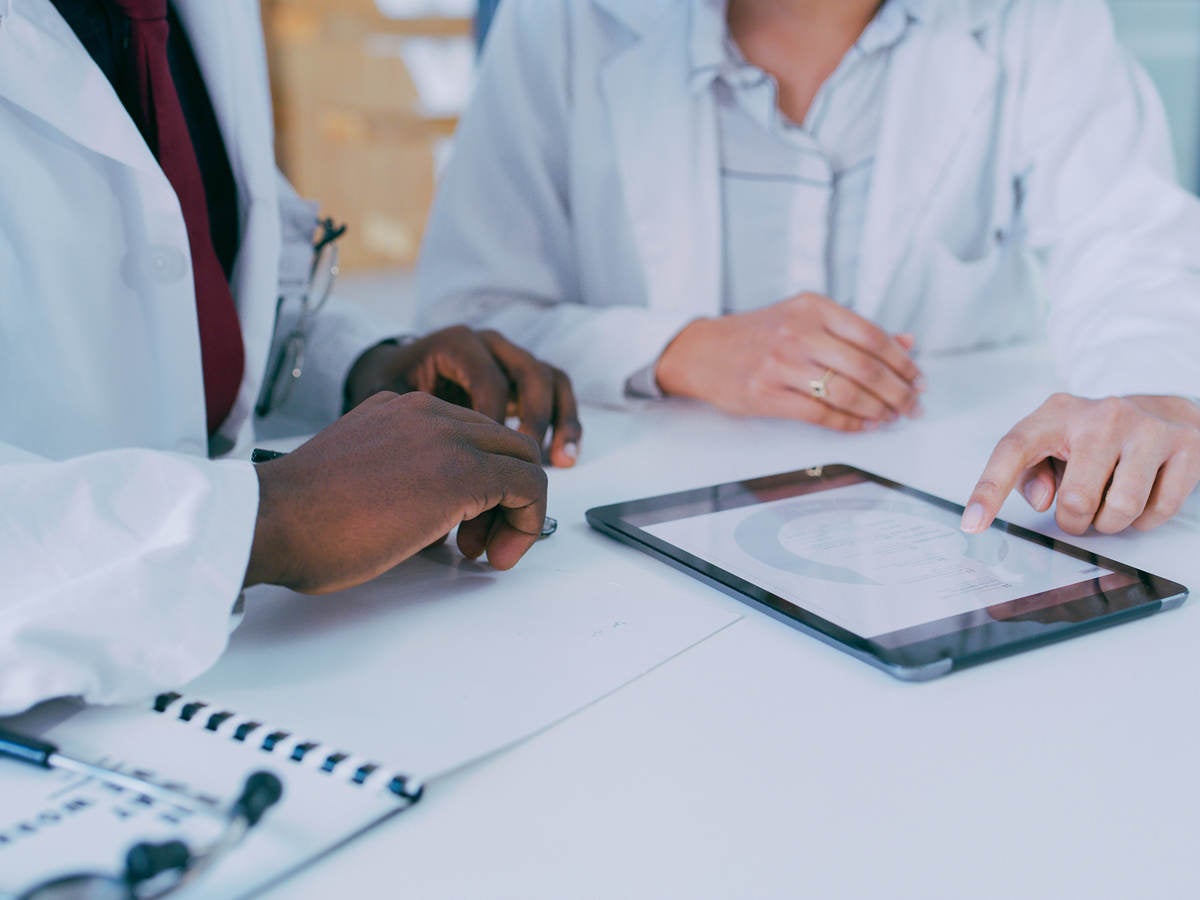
{"x": 873, "y": 373}
{"x": 458, "y": 333}
{"x": 781, "y": 336}
{"x": 879, "y": 342}
{"x": 418, "y": 400}
{"x": 531, "y": 446}
{"x": 1149, "y": 520}
{"x": 1013, "y": 444}
{"x": 757, "y": 384}
{"x": 1166, "y": 506}
{"x": 1111, "y": 411}
{"x": 1187, "y": 453}
{"x": 1077, "y": 503}
{"x": 1071, "y": 525}
{"x": 988, "y": 489}
{"x": 1122, "y": 505}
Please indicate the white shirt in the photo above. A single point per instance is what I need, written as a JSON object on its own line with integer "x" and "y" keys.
{"x": 793, "y": 196}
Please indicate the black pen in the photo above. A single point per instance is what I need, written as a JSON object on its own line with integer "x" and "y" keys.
{"x": 45, "y": 755}
{"x": 549, "y": 525}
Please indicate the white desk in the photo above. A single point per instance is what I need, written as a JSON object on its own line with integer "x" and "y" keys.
{"x": 765, "y": 764}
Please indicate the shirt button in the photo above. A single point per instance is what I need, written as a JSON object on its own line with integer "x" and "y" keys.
{"x": 166, "y": 264}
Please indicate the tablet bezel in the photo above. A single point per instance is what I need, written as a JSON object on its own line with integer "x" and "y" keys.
{"x": 916, "y": 660}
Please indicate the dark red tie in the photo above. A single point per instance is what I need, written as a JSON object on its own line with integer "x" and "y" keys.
{"x": 167, "y": 134}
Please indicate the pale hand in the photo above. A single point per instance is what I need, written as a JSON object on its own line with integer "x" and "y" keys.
{"x": 1111, "y": 464}
{"x": 388, "y": 479}
{"x": 763, "y": 363}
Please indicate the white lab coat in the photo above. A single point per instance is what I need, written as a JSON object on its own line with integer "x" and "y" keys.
{"x": 122, "y": 546}
{"x": 1023, "y": 155}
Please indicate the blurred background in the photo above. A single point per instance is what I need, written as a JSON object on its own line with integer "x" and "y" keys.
{"x": 368, "y": 92}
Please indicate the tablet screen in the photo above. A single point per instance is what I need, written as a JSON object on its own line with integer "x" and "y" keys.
{"x": 871, "y": 559}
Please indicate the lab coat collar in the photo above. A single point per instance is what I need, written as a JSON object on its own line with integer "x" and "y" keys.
{"x": 639, "y": 16}
{"x": 713, "y": 56}
{"x": 642, "y": 16}
{"x": 47, "y": 72}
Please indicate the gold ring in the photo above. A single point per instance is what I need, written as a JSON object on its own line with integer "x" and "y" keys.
{"x": 820, "y": 386}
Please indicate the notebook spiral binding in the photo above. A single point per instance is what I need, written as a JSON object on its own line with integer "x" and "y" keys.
{"x": 284, "y": 745}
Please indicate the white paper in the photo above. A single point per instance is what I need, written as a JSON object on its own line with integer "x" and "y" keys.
{"x": 448, "y": 660}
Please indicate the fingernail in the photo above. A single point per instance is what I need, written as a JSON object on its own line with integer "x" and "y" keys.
{"x": 917, "y": 412}
{"x": 571, "y": 450}
{"x": 919, "y": 384}
{"x": 972, "y": 520}
{"x": 1037, "y": 493}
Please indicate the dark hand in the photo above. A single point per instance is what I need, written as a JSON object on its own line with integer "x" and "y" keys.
{"x": 1110, "y": 463}
{"x": 482, "y": 371}
{"x": 387, "y": 480}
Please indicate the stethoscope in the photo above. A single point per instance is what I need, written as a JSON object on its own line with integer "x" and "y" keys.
{"x": 151, "y": 870}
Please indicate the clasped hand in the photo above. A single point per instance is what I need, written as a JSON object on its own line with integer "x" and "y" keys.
{"x": 762, "y": 363}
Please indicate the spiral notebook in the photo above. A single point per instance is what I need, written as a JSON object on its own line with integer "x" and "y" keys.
{"x": 359, "y": 702}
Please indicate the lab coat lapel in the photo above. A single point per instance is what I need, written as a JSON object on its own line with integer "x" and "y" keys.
{"x": 214, "y": 29}
{"x": 666, "y": 149}
{"x": 925, "y": 115}
{"x": 226, "y": 38}
{"x": 45, "y": 70}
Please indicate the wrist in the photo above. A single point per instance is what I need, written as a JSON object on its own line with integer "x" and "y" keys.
{"x": 269, "y": 549}
{"x": 675, "y": 372}
{"x": 1179, "y": 410}
{"x": 371, "y": 372}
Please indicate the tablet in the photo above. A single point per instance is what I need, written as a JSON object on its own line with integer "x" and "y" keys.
{"x": 883, "y": 571}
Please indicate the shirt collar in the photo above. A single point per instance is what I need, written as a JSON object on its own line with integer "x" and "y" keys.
{"x": 712, "y": 57}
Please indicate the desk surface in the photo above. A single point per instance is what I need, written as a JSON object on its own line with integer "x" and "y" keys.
{"x": 762, "y": 763}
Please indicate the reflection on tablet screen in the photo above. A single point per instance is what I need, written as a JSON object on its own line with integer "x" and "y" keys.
{"x": 875, "y": 562}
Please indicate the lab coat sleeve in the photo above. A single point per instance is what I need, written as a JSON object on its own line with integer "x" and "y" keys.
{"x": 500, "y": 249}
{"x": 120, "y": 571}
{"x": 1120, "y": 239}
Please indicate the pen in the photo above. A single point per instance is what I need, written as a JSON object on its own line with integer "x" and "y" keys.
{"x": 45, "y": 755}
{"x": 549, "y": 525}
